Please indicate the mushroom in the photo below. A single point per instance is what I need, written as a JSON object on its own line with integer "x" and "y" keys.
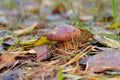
{"x": 63, "y": 34}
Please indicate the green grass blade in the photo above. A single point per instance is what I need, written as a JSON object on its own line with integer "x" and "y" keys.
{"x": 114, "y": 10}
{"x": 115, "y": 14}
{"x": 60, "y": 74}
{"x": 76, "y": 17}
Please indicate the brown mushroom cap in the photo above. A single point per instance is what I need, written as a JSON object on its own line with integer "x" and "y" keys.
{"x": 63, "y": 33}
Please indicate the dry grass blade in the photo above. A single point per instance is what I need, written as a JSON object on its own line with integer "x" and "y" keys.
{"x": 114, "y": 42}
{"x": 26, "y": 30}
{"x": 32, "y": 51}
{"x": 79, "y": 56}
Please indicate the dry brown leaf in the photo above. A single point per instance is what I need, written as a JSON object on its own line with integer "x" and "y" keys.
{"x": 10, "y": 41}
{"x": 107, "y": 60}
{"x": 102, "y": 78}
{"x": 60, "y": 8}
{"x": 42, "y": 53}
{"x": 40, "y": 26}
{"x": 7, "y": 58}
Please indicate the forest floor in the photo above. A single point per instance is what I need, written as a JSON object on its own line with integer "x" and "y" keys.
{"x": 59, "y": 40}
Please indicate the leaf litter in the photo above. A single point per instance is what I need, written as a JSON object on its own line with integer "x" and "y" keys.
{"x": 27, "y": 54}
{"x": 106, "y": 60}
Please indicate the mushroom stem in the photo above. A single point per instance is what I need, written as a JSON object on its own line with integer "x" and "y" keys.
{"x": 67, "y": 45}
{"x": 75, "y": 43}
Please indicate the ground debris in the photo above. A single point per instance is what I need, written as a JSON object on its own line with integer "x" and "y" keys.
{"x": 106, "y": 60}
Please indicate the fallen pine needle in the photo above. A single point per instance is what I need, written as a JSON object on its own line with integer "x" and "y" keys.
{"x": 63, "y": 51}
{"x": 79, "y": 56}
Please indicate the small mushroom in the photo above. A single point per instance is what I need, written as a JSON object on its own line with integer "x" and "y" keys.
{"x": 63, "y": 34}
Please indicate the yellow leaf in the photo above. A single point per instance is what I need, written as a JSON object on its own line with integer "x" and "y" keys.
{"x": 41, "y": 41}
{"x": 34, "y": 10}
{"x": 31, "y": 42}
{"x": 114, "y": 26}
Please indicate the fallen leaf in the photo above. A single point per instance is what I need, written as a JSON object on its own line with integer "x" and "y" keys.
{"x": 2, "y": 48}
{"x": 105, "y": 37}
{"x": 42, "y": 53}
{"x": 7, "y": 59}
{"x": 83, "y": 61}
{"x": 41, "y": 41}
{"x": 113, "y": 26}
{"x": 4, "y": 33}
{"x": 40, "y": 26}
{"x": 102, "y": 78}
{"x": 13, "y": 75}
{"x": 60, "y": 8}
{"x": 10, "y": 41}
{"x": 32, "y": 8}
{"x": 28, "y": 40}
{"x": 106, "y": 60}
